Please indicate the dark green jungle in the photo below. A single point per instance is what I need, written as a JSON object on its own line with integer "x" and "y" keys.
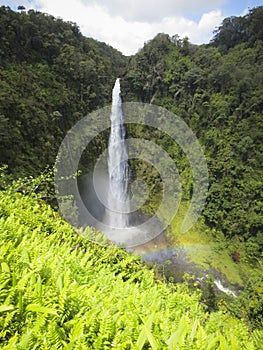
{"x": 70, "y": 288}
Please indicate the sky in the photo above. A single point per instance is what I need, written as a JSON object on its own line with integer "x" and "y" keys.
{"x": 127, "y": 25}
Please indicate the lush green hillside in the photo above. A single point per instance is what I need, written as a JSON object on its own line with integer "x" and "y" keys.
{"x": 50, "y": 77}
{"x": 59, "y": 290}
{"x": 218, "y": 91}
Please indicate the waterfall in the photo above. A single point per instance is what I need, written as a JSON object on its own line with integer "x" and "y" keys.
{"x": 118, "y": 199}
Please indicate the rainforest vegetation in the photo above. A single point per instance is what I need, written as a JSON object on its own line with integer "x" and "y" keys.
{"x": 65, "y": 288}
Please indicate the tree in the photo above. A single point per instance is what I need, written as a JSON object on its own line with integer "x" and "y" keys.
{"x": 21, "y": 8}
{"x": 208, "y": 294}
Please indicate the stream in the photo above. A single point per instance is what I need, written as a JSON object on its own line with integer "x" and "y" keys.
{"x": 172, "y": 261}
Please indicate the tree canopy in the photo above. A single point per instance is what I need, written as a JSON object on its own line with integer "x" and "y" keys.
{"x": 51, "y": 76}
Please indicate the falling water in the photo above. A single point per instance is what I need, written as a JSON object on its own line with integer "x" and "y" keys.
{"x": 118, "y": 199}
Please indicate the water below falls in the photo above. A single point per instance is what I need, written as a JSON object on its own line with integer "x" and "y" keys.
{"x": 223, "y": 289}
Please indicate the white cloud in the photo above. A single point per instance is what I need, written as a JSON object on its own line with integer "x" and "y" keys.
{"x": 95, "y": 20}
{"x": 152, "y": 11}
{"x": 245, "y": 12}
{"x": 208, "y": 23}
{"x": 198, "y": 32}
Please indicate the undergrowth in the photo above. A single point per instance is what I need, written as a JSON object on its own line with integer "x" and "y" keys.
{"x": 60, "y": 290}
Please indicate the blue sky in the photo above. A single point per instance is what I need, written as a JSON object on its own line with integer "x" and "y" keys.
{"x": 236, "y": 7}
{"x": 231, "y": 8}
{"x": 126, "y": 25}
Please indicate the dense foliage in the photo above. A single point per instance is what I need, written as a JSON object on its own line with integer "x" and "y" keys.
{"x": 219, "y": 94}
{"x": 236, "y": 30}
{"x": 50, "y": 76}
{"x": 59, "y": 290}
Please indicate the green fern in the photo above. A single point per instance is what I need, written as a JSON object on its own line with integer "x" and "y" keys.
{"x": 257, "y": 338}
{"x": 178, "y": 336}
{"x": 61, "y": 291}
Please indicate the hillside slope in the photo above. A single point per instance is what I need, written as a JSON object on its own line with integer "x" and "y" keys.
{"x": 217, "y": 90}
{"x": 50, "y": 77}
{"x": 60, "y": 290}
